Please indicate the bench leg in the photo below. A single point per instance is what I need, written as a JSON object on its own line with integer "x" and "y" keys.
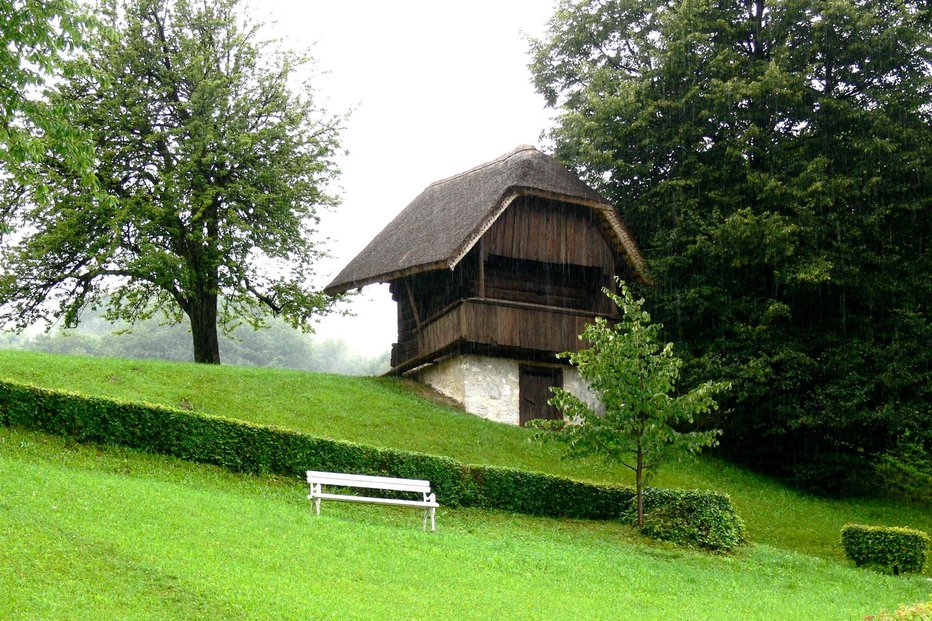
{"x": 314, "y": 502}
{"x": 431, "y": 498}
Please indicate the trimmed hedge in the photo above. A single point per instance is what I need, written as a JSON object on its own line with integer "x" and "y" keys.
{"x": 690, "y": 517}
{"x": 246, "y": 447}
{"x": 897, "y": 549}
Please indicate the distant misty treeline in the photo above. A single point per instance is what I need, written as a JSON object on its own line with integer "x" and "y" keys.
{"x": 279, "y": 346}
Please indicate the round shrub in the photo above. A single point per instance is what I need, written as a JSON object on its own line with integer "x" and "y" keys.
{"x": 693, "y": 518}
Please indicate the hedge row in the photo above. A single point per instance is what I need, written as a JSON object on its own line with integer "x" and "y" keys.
{"x": 245, "y": 447}
{"x": 897, "y": 549}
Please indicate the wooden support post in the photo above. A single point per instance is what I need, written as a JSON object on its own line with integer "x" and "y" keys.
{"x": 481, "y": 268}
{"x": 417, "y": 316}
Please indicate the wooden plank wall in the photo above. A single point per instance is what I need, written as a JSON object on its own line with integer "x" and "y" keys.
{"x": 522, "y": 327}
{"x": 512, "y": 326}
{"x": 564, "y": 286}
{"x": 538, "y": 229}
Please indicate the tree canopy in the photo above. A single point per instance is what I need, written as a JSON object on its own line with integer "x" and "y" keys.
{"x": 641, "y": 423}
{"x": 773, "y": 159}
{"x": 36, "y": 38}
{"x": 213, "y": 166}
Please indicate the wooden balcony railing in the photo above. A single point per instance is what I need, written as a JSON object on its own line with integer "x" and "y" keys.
{"x": 489, "y": 324}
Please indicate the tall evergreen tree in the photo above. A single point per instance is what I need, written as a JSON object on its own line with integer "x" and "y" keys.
{"x": 774, "y": 160}
{"x": 212, "y": 171}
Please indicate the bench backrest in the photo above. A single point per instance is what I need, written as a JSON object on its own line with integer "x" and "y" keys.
{"x": 371, "y": 482}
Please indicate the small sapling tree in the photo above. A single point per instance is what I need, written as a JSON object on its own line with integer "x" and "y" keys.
{"x": 634, "y": 376}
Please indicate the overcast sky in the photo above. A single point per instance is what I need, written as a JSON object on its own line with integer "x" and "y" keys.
{"x": 437, "y": 87}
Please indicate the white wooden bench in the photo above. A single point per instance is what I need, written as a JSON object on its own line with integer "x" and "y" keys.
{"x": 317, "y": 480}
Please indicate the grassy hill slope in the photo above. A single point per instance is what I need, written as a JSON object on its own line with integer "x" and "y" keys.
{"x": 92, "y": 533}
{"x": 388, "y": 413}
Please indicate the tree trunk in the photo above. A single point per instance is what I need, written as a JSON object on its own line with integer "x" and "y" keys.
{"x": 638, "y": 474}
{"x": 203, "y": 315}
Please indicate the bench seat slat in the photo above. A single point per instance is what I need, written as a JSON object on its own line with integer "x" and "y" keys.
{"x": 421, "y": 489}
{"x": 381, "y": 501}
{"x": 323, "y": 476}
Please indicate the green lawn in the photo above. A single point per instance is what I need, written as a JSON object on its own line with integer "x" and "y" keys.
{"x": 93, "y": 533}
{"x": 387, "y": 412}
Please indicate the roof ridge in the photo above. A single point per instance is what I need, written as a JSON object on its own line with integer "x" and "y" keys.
{"x": 498, "y": 160}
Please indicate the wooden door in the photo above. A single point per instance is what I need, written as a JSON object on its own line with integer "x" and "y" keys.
{"x": 534, "y": 384}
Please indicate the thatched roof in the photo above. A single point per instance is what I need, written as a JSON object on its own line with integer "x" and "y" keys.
{"x": 443, "y": 223}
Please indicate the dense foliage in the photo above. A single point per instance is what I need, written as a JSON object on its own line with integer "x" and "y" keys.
{"x": 634, "y": 375}
{"x": 688, "y": 517}
{"x": 773, "y": 159}
{"x": 212, "y": 167}
{"x": 36, "y": 38}
{"x": 245, "y": 447}
{"x": 894, "y": 548}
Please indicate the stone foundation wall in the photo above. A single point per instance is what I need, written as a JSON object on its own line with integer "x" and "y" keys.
{"x": 488, "y": 386}
{"x": 572, "y": 382}
{"x": 446, "y": 377}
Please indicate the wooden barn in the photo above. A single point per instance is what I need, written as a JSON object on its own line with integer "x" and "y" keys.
{"x": 495, "y": 270}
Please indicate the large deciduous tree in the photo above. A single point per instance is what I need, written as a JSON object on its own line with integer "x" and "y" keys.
{"x": 774, "y": 160}
{"x": 212, "y": 169}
